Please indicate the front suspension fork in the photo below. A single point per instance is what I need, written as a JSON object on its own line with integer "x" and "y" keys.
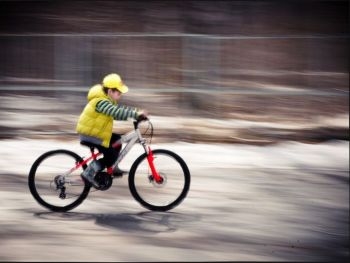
{"x": 156, "y": 175}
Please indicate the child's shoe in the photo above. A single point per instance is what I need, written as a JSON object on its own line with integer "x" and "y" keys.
{"x": 90, "y": 172}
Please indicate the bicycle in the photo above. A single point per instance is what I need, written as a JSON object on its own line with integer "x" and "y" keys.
{"x": 158, "y": 179}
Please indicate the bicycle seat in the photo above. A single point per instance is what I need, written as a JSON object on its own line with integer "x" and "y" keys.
{"x": 89, "y": 144}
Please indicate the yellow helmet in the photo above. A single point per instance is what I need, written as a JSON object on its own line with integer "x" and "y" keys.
{"x": 114, "y": 81}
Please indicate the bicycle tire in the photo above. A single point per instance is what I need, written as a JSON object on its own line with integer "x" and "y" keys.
{"x": 174, "y": 161}
{"x": 33, "y": 185}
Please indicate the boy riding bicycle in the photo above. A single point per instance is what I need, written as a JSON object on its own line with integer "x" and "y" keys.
{"x": 95, "y": 124}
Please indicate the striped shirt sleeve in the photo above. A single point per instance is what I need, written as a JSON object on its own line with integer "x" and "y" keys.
{"x": 118, "y": 112}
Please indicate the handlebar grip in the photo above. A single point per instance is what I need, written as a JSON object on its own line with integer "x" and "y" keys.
{"x": 141, "y": 118}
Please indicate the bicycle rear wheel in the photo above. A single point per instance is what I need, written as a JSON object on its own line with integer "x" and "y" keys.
{"x": 160, "y": 196}
{"x": 55, "y": 184}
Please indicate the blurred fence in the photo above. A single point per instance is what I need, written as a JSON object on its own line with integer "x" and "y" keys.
{"x": 195, "y": 74}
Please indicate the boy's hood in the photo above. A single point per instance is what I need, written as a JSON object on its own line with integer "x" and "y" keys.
{"x": 96, "y": 92}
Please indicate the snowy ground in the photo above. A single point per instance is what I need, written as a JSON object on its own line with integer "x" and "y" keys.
{"x": 283, "y": 202}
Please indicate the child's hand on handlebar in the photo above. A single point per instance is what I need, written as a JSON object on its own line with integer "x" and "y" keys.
{"x": 142, "y": 115}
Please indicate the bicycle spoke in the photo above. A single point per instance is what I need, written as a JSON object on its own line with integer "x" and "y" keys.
{"x": 52, "y": 186}
{"x": 168, "y": 193}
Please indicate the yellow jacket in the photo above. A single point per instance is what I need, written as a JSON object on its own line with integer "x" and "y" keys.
{"x": 93, "y": 123}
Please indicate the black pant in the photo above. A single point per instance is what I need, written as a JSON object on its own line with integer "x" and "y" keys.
{"x": 110, "y": 154}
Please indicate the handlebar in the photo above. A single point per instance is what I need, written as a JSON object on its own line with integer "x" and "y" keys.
{"x": 140, "y": 118}
{"x": 149, "y": 129}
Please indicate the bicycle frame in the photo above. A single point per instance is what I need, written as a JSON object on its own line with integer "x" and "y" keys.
{"x": 130, "y": 139}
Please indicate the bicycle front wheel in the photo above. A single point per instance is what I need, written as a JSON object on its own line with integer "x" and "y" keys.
{"x": 160, "y": 196}
{"x": 55, "y": 183}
